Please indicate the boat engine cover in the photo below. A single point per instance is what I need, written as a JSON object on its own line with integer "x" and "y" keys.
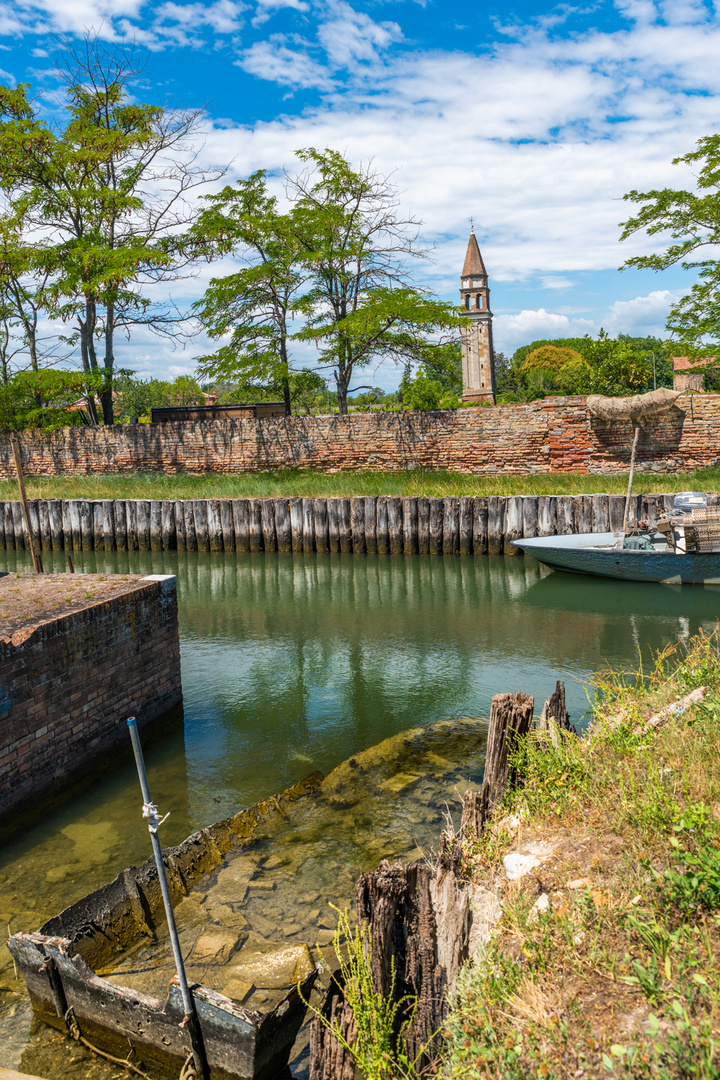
{"x": 690, "y": 500}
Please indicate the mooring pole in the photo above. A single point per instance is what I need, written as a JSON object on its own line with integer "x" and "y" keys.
{"x": 150, "y": 812}
{"x": 636, "y": 435}
{"x": 36, "y": 558}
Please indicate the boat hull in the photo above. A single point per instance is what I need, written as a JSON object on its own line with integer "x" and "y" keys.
{"x": 592, "y": 553}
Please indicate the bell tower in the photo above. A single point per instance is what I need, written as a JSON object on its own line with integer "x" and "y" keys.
{"x": 478, "y": 373}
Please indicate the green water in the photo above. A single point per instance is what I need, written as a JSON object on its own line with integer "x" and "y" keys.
{"x": 295, "y": 663}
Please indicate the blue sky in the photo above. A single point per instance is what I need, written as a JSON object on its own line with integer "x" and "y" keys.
{"x": 531, "y": 119}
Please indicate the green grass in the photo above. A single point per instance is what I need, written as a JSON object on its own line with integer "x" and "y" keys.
{"x": 288, "y": 482}
{"x": 620, "y": 977}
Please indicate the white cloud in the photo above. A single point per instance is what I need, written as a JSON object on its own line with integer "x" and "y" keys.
{"x": 266, "y": 8}
{"x": 641, "y": 315}
{"x": 274, "y": 61}
{"x": 511, "y": 331}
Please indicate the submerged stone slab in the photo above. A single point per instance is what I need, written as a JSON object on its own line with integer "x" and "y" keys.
{"x": 275, "y": 970}
{"x": 216, "y": 945}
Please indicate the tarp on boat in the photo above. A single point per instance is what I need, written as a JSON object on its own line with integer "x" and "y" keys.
{"x": 632, "y": 408}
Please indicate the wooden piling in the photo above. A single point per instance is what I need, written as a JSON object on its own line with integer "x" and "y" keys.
{"x": 283, "y": 532}
{"x": 131, "y": 524}
{"x": 255, "y": 524}
{"x": 510, "y": 720}
{"x": 513, "y": 524}
{"x": 466, "y": 525}
{"x": 142, "y": 524}
{"x": 370, "y": 524}
{"x": 480, "y": 525}
{"x": 451, "y": 526}
{"x": 9, "y": 526}
{"x": 296, "y": 524}
{"x": 410, "y": 526}
{"x": 496, "y": 525}
{"x": 583, "y": 514}
{"x": 241, "y": 524}
{"x": 168, "y": 530}
{"x": 201, "y": 524}
{"x": 267, "y": 522}
{"x": 180, "y": 539}
{"x": 547, "y": 516}
{"x": 345, "y": 523}
{"x": 75, "y": 525}
{"x": 530, "y": 515}
{"x": 320, "y": 524}
{"x": 214, "y": 523}
{"x": 423, "y": 512}
{"x": 97, "y": 519}
{"x": 357, "y": 519}
{"x": 108, "y": 526}
{"x": 119, "y": 519}
{"x": 435, "y": 526}
{"x": 382, "y": 536}
{"x": 189, "y": 516}
{"x": 600, "y": 514}
{"x": 395, "y": 524}
{"x": 308, "y": 525}
{"x": 86, "y": 524}
{"x": 565, "y": 508}
{"x": 226, "y": 524}
{"x": 56, "y": 526}
{"x": 44, "y": 521}
{"x": 333, "y": 512}
{"x": 156, "y": 539}
{"x": 66, "y": 524}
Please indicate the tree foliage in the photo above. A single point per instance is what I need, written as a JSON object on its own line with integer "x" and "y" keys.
{"x": 691, "y": 219}
{"x": 47, "y": 399}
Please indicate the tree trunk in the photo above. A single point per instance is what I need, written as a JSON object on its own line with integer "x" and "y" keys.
{"x": 106, "y": 398}
{"x": 342, "y": 381}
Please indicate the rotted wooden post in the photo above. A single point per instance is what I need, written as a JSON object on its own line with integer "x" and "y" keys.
{"x": 510, "y": 719}
{"x": 35, "y": 554}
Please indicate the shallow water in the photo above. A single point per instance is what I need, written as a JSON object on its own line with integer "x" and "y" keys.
{"x": 295, "y": 663}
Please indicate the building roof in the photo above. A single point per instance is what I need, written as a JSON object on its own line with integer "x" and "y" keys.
{"x": 473, "y": 259}
{"x": 684, "y": 363}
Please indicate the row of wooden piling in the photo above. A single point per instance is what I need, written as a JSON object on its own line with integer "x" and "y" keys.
{"x": 366, "y": 524}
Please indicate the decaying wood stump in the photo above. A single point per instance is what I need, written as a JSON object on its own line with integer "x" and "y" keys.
{"x": 554, "y": 710}
{"x": 329, "y": 1060}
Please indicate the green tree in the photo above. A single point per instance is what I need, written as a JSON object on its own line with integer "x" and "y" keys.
{"x": 692, "y": 220}
{"x": 353, "y": 249}
{"x": 46, "y": 399}
{"x": 547, "y": 362}
{"x": 253, "y": 305}
{"x": 105, "y": 200}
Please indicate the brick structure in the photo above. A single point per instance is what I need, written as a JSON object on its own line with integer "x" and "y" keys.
{"x": 68, "y": 684}
{"x": 690, "y": 374}
{"x": 553, "y": 435}
{"x": 478, "y": 373}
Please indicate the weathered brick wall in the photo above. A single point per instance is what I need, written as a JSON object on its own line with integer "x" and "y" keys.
{"x": 556, "y": 434}
{"x": 67, "y": 686}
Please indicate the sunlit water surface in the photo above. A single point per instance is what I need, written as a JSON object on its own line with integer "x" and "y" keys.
{"x": 294, "y": 663}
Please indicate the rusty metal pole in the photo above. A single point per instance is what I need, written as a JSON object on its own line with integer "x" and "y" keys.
{"x": 150, "y": 813}
{"x": 36, "y": 558}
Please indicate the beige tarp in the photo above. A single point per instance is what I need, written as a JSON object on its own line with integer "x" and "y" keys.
{"x": 632, "y": 408}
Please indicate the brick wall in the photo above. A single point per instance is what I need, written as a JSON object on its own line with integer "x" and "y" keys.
{"x": 556, "y": 434}
{"x": 67, "y": 686}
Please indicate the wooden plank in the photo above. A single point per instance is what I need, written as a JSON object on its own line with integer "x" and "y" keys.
{"x": 320, "y": 522}
{"x": 466, "y": 525}
{"x": 201, "y": 524}
{"x": 241, "y": 524}
{"x": 44, "y": 523}
{"x": 436, "y": 526}
{"x": 357, "y": 520}
{"x": 120, "y": 516}
{"x": 451, "y": 526}
{"x": 395, "y": 524}
{"x": 66, "y": 524}
{"x": 513, "y": 524}
{"x": 255, "y": 524}
{"x": 108, "y": 526}
{"x": 167, "y": 525}
{"x": 142, "y": 514}
{"x": 267, "y": 519}
{"x": 616, "y": 511}
{"x": 480, "y": 525}
{"x": 600, "y": 514}
{"x": 345, "y": 522}
{"x": 410, "y": 525}
{"x": 214, "y": 524}
{"x": 156, "y": 541}
{"x": 296, "y": 524}
{"x": 583, "y": 514}
{"x": 18, "y": 526}
{"x": 226, "y": 523}
{"x": 496, "y": 524}
{"x": 189, "y": 515}
{"x": 283, "y": 532}
{"x": 333, "y": 511}
{"x": 547, "y": 516}
{"x": 308, "y": 525}
{"x": 530, "y": 515}
{"x": 370, "y": 524}
{"x": 180, "y": 539}
{"x": 131, "y": 526}
{"x": 382, "y": 536}
{"x": 423, "y": 509}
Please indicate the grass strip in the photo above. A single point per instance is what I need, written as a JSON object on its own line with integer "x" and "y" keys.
{"x": 288, "y": 483}
{"x": 606, "y": 959}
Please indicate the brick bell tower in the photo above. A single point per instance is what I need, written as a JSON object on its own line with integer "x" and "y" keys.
{"x": 478, "y": 372}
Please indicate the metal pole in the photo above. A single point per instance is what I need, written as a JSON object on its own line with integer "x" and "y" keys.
{"x": 150, "y": 812}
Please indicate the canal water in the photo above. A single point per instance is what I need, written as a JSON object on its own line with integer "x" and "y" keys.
{"x": 294, "y": 663}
